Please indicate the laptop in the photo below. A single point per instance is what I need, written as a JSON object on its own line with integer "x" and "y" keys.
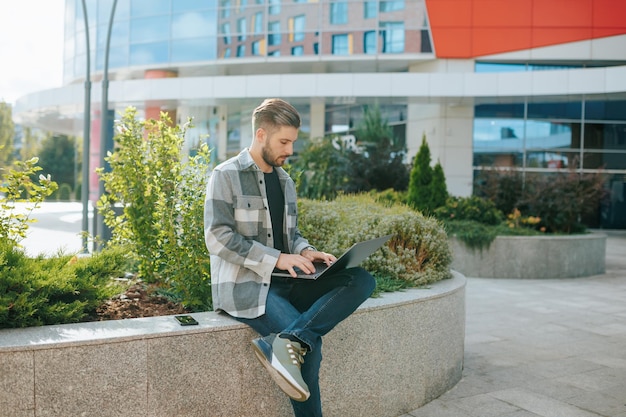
{"x": 351, "y": 258}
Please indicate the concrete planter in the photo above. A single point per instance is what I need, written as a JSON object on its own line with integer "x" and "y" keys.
{"x": 396, "y": 353}
{"x": 533, "y": 257}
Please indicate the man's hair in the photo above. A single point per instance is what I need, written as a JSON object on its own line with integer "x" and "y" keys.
{"x": 274, "y": 113}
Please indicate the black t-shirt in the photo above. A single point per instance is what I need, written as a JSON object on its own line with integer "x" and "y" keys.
{"x": 276, "y": 201}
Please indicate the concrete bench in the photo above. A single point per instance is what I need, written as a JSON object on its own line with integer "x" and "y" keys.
{"x": 394, "y": 354}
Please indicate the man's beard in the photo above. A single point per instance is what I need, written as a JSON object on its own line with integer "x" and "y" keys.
{"x": 269, "y": 158}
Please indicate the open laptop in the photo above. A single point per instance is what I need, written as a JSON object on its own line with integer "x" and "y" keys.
{"x": 351, "y": 258}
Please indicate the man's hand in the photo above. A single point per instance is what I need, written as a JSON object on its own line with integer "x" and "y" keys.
{"x": 304, "y": 262}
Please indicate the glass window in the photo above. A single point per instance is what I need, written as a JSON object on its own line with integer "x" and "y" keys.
{"x": 274, "y": 6}
{"x": 186, "y": 50}
{"x": 513, "y": 110}
{"x": 227, "y": 53}
{"x": 391, "y": 5}
{"x": 393, "y": 37}
{"x": 241, "y": 29}
{"x": 570, "y": 110}
{"x": 605, "y": 136}
{"x": 489, "y": 67}
{"x": 274, "y": 53}
{"x": 605, "y": 110}
{"x": 149, "y": 29}
{"x": 273, "y": 37}
{"x": 370, "y": 9}
{"x": 188, "y": 5}
{"x": 341, "y": 45}
{"x": 369, "y": 42}
{"x": 256, "y": 48}
{"x": 258, "y": 23}
{"x": 149, "y": 53}
{"x": 241, "y": 50}
{"x": 297, "y": 50}
{"x": 299, "y": 23}
{"x": 192, "y": 25}
{"x": 226, "y": 32}
{"x": 225, "y": 6}
{"x": 339, "y": 13}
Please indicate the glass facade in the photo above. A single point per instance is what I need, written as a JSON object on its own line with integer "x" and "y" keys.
{"x": 169, "y": 32}
{"x": 544, "y": 136}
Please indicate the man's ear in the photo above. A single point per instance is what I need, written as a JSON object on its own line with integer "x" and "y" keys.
{"x": 260, "y": 135}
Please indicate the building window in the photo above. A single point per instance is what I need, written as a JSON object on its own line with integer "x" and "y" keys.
{"x": 370, "y": 9}
{"x": 241, "y": 29}
{"x": 341, "y": 44}
{"x": 273, "y": 37}
{"x": 256, "y": 48}
{"x": 299, "y": 23}
{"x": 316, "y": 48}
{"x": 274, "y": 6}
{"x": 227, "y": 53}
{"x": 258, "y": 23}
{"x": 391, "y": 5}
{"x": 369, "y": 42}
{"x": 297, "y": 50}
{"x": 225, "y": 13}
{"x": 274, "y": 53}
{"x": 226, "y": 33}
{"x": 241, "y": 50}
{"x": 339, "y": 13}
{"x": 393, "y": 37}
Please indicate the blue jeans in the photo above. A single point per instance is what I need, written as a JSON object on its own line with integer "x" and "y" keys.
{"x": 307, "y": 310}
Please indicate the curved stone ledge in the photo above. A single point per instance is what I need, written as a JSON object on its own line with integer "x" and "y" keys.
{"x": 533, "y": 257}
{"x": 394, "y": 354}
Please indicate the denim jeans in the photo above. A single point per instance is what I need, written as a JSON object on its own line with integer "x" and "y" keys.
{"x": 308, "y": 309}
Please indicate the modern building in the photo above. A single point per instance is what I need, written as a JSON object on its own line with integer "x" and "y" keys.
{"x": 532, "y": 85}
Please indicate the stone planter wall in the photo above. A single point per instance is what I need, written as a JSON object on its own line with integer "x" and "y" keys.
{"x": 533, "y": 257}
{"x": 393, "y": 355}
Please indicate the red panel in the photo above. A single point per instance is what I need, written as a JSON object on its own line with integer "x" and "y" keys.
{"x": 522, "y": 24}
{"x": 562, "y": 13}
{"x": 609, "y": 13}
{"x": 486, "y": 41}
{"x": 499, "y": 13}
{"x": 457, "y": 43}
{"x": 450, "y": 13}
{"x": 554, "y": 36}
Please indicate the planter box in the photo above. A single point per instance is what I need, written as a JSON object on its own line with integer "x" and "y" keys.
{"x": 394, "y": 354}
{"x": 533, "y": 257}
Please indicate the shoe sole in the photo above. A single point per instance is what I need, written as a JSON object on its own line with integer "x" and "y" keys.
{"x": 292, "y": 391}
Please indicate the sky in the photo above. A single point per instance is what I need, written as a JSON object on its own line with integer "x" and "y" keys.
{"x": 31, "y": 47}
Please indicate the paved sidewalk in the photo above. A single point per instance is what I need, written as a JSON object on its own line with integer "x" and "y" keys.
{"x": 549, "y": 348}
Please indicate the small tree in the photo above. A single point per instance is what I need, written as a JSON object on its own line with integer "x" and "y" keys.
{"x": 427, "y": 186}
{"x": 160, "y": 197}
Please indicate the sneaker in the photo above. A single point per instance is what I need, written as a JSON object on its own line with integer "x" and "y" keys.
{"x": 282, "y": 358}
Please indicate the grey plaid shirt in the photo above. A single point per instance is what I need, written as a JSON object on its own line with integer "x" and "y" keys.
{"x": 238, "y": 234}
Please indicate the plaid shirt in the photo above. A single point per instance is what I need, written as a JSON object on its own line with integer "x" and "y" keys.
{"x": 238, "y": 234}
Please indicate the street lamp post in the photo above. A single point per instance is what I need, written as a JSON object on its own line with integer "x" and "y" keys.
{"x": 84, "y": 194}
{"x": 103, "y": 231}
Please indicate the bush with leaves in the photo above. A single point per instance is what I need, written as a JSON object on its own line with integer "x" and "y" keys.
{"x": 473, "y": 208}
{"x": 427, "y": 185}
{"x": 56, "y": 290}
{"x": 19, "y": 196}
{"x": 160, "y": 196}
{"x": 417, "y": 254}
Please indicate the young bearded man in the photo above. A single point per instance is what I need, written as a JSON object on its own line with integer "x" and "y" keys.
{"x": 251, "y": 229}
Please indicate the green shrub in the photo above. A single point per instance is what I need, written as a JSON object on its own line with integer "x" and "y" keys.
{"x": 160, "y": 197}
{"x": 17, "y": 186}
{"x": 427, "y": 186}
{"x": 64, "y": 193}
{"x": 56, "y": 290}
{"x": 470, "y": 208}
{"x": 418, "y": 253}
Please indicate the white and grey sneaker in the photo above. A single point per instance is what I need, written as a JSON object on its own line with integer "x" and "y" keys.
{"x": 282, "y": 358}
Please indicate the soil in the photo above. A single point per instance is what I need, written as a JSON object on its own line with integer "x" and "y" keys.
{"x": 139, "y": 300}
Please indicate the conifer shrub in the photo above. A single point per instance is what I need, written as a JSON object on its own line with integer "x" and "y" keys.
{"x": 64, "y": 193}
{"x": 427, "y": 185}
{"x": 417, "y": 254}
{"x": 54, "y": 290}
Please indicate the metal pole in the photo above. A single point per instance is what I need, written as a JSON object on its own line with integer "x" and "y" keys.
{"x": 84, "y": 194}
{"x": 103, "y": 231}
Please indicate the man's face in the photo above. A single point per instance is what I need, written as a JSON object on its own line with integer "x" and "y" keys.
{"x": 278, "y": 145}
